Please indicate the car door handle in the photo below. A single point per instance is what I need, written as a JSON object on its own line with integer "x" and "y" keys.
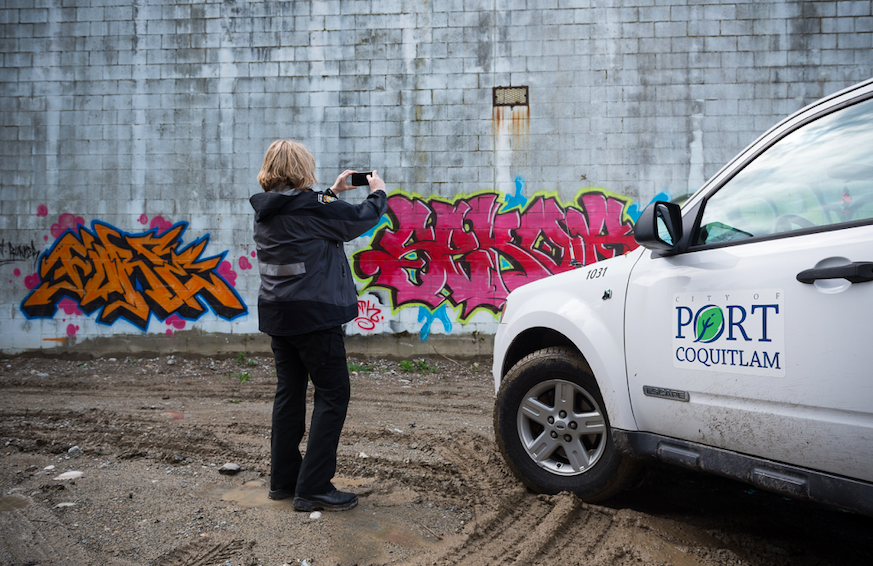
{"x": 857, "y": 272}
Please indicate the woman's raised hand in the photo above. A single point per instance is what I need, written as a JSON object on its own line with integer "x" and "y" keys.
{"x": 376, "y": 183}
{"x": 341, "y": 183}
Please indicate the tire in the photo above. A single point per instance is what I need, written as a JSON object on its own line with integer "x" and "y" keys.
{"x": 544, "y": 441}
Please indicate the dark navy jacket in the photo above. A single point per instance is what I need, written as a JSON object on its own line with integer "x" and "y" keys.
{"x": 306, "y": 280}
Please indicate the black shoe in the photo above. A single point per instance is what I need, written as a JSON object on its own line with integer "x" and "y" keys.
{"x": 334, "y": 500}
{"x": 279, "y": 494}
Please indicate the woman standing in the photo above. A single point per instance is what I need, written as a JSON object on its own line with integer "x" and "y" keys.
{"x": 307, "y": 292}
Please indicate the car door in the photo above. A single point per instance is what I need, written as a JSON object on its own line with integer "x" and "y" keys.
{"x": 756, "y": 338}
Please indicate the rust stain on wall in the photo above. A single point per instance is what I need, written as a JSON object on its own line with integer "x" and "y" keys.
{"x": 520, "y": 120}
{"x": 496, "y": 120}
{"x": 516, "y": 119}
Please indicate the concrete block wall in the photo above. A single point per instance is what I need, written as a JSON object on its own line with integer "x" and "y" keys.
{"x": 138, "y": 116}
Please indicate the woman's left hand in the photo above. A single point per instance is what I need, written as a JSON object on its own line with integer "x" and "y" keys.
{"x": 342, "y": 182}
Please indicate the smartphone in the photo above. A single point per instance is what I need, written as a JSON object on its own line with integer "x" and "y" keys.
{"x": 360, "y": 179}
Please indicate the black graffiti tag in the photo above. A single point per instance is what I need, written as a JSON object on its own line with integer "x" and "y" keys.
{"x": 11, "y": 252}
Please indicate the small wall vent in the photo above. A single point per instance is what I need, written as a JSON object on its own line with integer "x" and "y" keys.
{"x": 510, "y": 96}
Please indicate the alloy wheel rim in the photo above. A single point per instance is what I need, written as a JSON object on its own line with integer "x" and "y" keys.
{"x": 561, "y": 427}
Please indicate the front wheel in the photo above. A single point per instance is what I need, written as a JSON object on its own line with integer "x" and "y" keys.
{"x": 553, "y": 431}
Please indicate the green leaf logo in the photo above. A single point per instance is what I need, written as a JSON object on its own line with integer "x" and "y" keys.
{"x": 708, "y": 324}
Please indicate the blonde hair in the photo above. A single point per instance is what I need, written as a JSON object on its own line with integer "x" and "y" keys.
{"x": 287, "y": 163}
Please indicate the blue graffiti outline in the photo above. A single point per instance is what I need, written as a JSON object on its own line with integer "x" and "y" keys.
{"x": 155, "y": 232}
{"x": 634, "y": 210}
{"x": 518, "y": 200}
{"x": 441, "y": 314}
{"x": 383, "y": 221}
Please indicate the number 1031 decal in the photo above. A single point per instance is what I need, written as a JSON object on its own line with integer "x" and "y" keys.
{"x": 595, "y": 273}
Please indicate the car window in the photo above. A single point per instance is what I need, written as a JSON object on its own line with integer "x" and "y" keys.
{"x": 819, "y": 175}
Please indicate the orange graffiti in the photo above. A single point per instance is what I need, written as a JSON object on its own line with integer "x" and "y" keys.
{"x": 131, "y": 276}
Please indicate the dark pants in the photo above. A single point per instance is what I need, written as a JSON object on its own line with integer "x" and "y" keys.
{"x": 320, "y": 356}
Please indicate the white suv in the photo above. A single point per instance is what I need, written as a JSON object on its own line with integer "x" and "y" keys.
{"x": 738, "y": 339}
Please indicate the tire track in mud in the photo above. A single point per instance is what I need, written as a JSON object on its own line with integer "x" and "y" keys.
{"x": 201, "y": 553}
{"x": 512, "y": 525}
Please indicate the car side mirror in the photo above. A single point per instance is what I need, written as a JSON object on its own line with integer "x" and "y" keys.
{"x": 659, "y": 227}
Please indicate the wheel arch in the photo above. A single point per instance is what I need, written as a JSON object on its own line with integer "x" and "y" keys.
{"x": 601, "y": 350}
{"x": 531, "y": 340}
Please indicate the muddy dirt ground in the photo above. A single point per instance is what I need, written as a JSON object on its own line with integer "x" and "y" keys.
{"x": 148, "y": 436}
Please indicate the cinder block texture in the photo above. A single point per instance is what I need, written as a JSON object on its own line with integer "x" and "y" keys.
{"x": 120, "y": 110}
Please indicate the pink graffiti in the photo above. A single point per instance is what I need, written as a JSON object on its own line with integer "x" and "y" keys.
{"x": 45, "y": 238}
{"x": 143, "y": 219}
{"x": 16, "y": 272}
{"x": 159, "y": 223}
{"x": 471, "y": 254}
{"x": 31, "y": 281}
{"x": 69, "y": 306}
{"x": 42, "y": 210}
{"x": 175, "y": 321}
{"x": 369, "y": 314}
{"x": 226, "y": 271}
{"x": 244, "y": 263}
{"x": 72, "y": 329}
{"x": 253, "y": 254}
{"x": 66, "y": 221}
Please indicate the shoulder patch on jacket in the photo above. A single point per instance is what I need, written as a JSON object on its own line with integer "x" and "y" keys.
{"x": 325, "y": 199}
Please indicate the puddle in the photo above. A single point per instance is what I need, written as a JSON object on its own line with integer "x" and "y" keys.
{"x": 254, "y": 494}
{"x": 364, "y": 538}
{"x": 12, "y": 502}
{"x": 377, "y": 531}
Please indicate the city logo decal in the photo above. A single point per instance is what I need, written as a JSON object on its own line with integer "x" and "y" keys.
{"x": 708, "y": 324}
{"x": 730, "y": 331}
